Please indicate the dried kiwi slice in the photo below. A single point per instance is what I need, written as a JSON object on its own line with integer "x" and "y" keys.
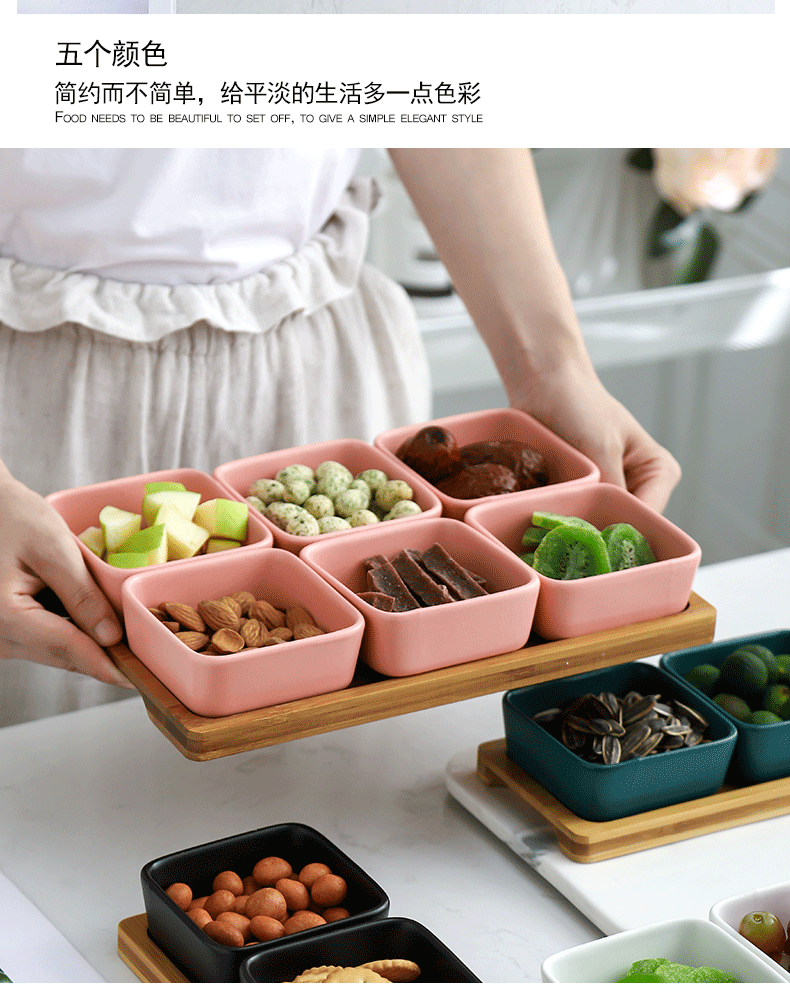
{"x": 570, "y": 552}
{"x": 533, "y": 536}
{"x": 545, "y": 519}
{"x": 626, "y": 547}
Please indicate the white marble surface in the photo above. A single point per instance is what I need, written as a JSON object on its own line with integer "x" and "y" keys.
{"x": 88, "y": 797}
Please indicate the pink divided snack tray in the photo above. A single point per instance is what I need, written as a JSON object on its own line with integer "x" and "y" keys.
{"x": 252, "y": 678}
{"x": 568, "y": 608}
{"x": 80, "y": 507}
{"x": 357, "y": 456}
{"x": 426, "y": 638}
{"x": 565, "y": 463}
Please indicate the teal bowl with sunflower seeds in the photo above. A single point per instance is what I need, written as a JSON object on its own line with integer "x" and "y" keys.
{"x": 619, "y": 741}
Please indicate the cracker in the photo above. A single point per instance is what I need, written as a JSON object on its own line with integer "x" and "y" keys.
{"x": 397, "y": 970}
{"x": 317, "y": 974}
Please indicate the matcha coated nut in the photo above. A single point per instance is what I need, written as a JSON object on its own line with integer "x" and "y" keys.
{"x": 362, "y": 517}
{"x": 292, "y": 518}
{"x": 403, "y": 508}
{"x": 267, "y": 490}
{"x": 391, "y": 492}
{"x": 319, "y": 506}
{"x": 326, "y": 524}
{"x": 350, "y": 501}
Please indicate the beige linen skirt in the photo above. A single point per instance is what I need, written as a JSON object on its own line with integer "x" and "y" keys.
{"x": 103, "y": 379}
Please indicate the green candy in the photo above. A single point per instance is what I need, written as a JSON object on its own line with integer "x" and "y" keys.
{"x": 661, "y": 970}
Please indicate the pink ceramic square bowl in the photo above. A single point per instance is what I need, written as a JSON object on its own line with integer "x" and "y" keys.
{"x": 568, "y": 608}
{"x": 253, "y": 678}
{"x": 566, "y": 464}
{"x": 357, "y": 456}
{"x": 80, "y": 507}
{"x": 413, "y": 642}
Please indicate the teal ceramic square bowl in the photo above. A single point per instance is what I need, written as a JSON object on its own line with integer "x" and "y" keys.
{"x": 762, "y": 752}
{"x": 602, "y": 792}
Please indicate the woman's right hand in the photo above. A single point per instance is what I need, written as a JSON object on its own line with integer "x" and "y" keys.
{"x": 37, "y": 549}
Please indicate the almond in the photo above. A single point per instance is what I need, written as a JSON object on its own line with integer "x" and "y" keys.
{"x": 303, "y": 630}
{"x": 296, "y": 616}
{"x": 233, "y": 604}
{"x": 173, "y": 626}
{"x": 195, "y": 640}
{"x": 273, "y": 640}
{"x": 218, "y": 615}
{"x": 185, "y": 615}
{"x": 245, "y": 598}
{"x": 267, "y": 613}
{"x": 281, "y": 633}
{"x": 253, "y": 633}
{"x": 158, "y": 613}
{"x": 227, "y": 640}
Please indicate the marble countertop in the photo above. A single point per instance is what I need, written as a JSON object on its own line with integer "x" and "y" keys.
{"x": 87, "y": 798}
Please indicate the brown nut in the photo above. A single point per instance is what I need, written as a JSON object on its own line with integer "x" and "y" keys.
{"x": 218, "y": 615}
{"x": 173, "y": 626}
{"x": 195, "y": 640}
{"x": 253, "y": 632}
{"x": 185, "y": 615}
{"x": 275, "y": 640}
{"x": 224, "y": 933}
{"x": 227, "y": 640}
{"x": 303, "y": 630}
{"x": 268, "y": 870}
{"x": 181, "y": 894}
{"x": 267, "y": 613}
{"x": 267, "y": 902}
{"x": 244, "y": 598}
{"x": 233, "y": 604}
{"x": 302, "y": 920}
{"x": 266, "y": 928}
{"x": 295, "y": 616}
{"x": 281, "y": 633}
{"x": 228, "y": 880}
{"x": 219, "y": 901}
{"x": 159, "y": 614}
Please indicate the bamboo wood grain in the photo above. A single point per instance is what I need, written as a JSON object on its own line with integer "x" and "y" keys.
{"x": 372, "y": 696}
{"x": 146, "y": 960}
{"x": 586, "y": 841}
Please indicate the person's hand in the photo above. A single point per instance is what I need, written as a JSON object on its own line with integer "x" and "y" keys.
{"x": 37, "y": 549}
{"x": 575, "y": 405}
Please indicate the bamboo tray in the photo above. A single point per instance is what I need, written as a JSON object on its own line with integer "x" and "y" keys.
{"x": 143, "y": 956}
{"x": 372, "y": 696}
{"x": 586, "y": 841}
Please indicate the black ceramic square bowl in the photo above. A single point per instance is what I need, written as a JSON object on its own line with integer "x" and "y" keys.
{"x": 395, "y": 937}
{"x": 204, "y": 960}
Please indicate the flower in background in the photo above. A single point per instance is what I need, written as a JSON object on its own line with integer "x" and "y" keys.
{"x": 693, "y": 185}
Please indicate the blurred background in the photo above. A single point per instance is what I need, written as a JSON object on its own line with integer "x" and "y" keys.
{"x": 685, "y": 311}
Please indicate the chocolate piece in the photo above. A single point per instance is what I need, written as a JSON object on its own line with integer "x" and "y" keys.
{"x": 432, "y": 452}
{"x": 374, "y": 561}
{"x": 422, "y": 586}
{"x": 441, "y": 565}
{"x": 384, "y": 602}
{"x": 529, "y": 466}
{"x": 386, "y": 580}
{"x": 475, "y": 481}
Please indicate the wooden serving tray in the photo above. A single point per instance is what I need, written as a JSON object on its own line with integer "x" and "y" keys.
{"x": 143, "y": 956}
{"x": 372, "y": 696}
{"x": 585, "y": 841}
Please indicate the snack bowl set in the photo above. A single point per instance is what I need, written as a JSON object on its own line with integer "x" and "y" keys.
{"x": 251, "y": 678}
{"x": 565, "y": 462}
{"x": 426, "y": 638}
{"x": 390, "y": 938}
{"x": 762, "y": 752}
{"x": 202, "y": 958}
{"x": 728, "y": 913}
{"x": 80, "y": 508}
{"x": 239, "y": 475}
{"x": 602, "y": 792}
{"x": 570, "y": 608}
{"x": 689, "y": 941}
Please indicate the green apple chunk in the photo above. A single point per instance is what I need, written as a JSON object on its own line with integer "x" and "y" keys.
{"x": 223, "y": 518}
{"x": 184, "y": 537}
{"x": 117, "y": 525}
{"x": 184, "y": 501}
{"x": 93, "y": 537}
{"x": 169, "y": 487}
{"x": 221, "y": 544}
{"x": 127, "y": 560}
{"x": 150, "y": 542}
